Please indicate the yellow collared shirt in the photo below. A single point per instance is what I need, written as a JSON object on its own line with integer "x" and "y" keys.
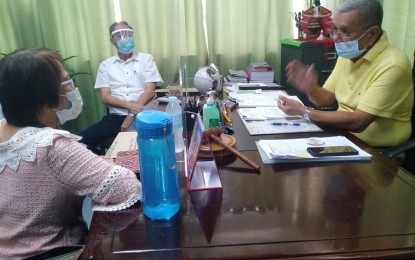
{"x": 379, "y": 83}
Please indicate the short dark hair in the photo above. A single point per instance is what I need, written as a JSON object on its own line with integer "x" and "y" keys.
{"x": 112, "y": 26}
{"x": 29, "y": 81}
{"x": 370, "y": 12}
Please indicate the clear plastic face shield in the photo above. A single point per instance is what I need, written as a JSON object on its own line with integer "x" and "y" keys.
{"x": 122, "y": 34}
{"x": 124, "y": 40}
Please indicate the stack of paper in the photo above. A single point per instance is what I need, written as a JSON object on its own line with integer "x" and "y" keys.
{"x": 237, "y": 73}
{"x": 260, "y": 73}
{"x": 258, "y": 98}
{"x": 260, "y": 113}
{"x": 295, "y": 150}
{"x": 237, "y": 76}
{"x": 260, "y": 85}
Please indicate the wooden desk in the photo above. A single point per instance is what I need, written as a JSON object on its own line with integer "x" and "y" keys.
{"x": 296, "y": 211}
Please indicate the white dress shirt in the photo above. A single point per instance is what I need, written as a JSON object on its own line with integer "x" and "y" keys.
{"x": 127, "y": 79}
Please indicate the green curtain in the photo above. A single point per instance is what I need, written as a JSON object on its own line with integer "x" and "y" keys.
{"x": 67, "y": 26}
{"x": 229, "y": 33}
{"x": 398, "y": 22}
{"x": 241, "y": 31}
{"x": 167, "y": 29}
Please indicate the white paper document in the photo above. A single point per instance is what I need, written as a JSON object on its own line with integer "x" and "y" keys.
{"x": 280, "y": 126}
{"x": 258, "y": 98}
{"x": 263, "y": 113}
{"x": 295, "y": 150}
{"x": 272, "y": 120}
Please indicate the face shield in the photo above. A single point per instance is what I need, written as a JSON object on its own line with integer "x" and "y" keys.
{"x": 122, "y": 34}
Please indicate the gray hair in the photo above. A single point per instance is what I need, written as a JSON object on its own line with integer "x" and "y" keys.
{"x": 370, "y": 12}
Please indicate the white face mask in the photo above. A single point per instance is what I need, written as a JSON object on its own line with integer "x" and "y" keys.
{"x": 350, "y": 49}
{"x": 76, "y": 107}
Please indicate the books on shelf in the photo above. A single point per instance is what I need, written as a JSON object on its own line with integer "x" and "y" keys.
{"x": 260, "y": 74}
{"x": 237, "y": 73}
{"x": 295, "y": 150}
{"x": 231, "y": 79}
{"x": 236, "y": 76}
{"x": 258, "y": 64}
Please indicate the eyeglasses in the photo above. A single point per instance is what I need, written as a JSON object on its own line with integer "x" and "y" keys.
{"x": 69, "y": 81}
{"x": 344, "y": 36}
{"x": 122, "y": 33}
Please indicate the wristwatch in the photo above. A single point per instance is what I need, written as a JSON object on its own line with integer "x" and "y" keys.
{"x": 307, "y": 112}
{"x": 131, "y": 114}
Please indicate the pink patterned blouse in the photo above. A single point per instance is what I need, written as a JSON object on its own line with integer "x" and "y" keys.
{"x": 44, "y": 174}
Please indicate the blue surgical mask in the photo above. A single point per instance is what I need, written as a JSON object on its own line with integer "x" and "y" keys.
{"x": 350, "y": 49}
{"x": 126, "y": 45}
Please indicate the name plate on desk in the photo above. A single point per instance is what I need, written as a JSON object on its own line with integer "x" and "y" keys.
{"x": 202, "y": 174}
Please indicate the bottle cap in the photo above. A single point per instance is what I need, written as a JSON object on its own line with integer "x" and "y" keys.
{"x": 211, "y": 99}
{"x": 153, "y": 124}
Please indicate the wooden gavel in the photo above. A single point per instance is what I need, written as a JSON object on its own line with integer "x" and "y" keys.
{"x": 214, "y": 133}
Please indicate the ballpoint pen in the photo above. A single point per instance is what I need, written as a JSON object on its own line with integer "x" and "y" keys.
{"x": 293, "y": 124}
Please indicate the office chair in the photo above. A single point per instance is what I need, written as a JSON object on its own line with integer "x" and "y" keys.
{"x": 409, "y": 146}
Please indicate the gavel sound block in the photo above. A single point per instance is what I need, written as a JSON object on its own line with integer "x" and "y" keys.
{"x": 224, "y": 144}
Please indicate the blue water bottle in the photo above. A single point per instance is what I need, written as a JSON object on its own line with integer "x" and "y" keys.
{"x": 158, "y": 171}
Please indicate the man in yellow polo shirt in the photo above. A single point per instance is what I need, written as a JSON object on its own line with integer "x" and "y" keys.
{"x": 371, "y": 81}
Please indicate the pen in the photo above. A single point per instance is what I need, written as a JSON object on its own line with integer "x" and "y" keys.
{"x": 293, "y": 124}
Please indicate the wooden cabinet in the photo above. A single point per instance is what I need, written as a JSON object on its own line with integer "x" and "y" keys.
{"x": 322, "y": 54}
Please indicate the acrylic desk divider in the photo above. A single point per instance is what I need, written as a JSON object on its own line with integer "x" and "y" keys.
{"x": 202, "y": 174}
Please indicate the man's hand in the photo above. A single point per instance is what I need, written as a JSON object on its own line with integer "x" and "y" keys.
{"x": 301, "y": 76}
{"x": 290, "y": 107}
{"x": 126, "y": 124}
{"x": 134, "y": 107}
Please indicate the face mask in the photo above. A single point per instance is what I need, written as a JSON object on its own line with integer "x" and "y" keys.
{"x": 350, "y": 49}
{"x": 126, "y": 45}
{"x": 76, "y": 107}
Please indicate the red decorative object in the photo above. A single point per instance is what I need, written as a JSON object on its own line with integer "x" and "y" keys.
{"x": 316, "y": 20}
